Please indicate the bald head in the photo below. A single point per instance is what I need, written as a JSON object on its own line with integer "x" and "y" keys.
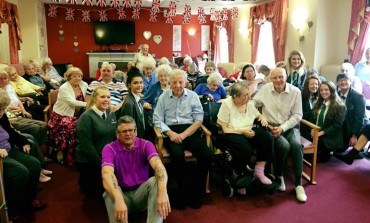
{"x": 278, "y": 78}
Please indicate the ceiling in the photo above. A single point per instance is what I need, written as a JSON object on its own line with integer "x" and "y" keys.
{"x": 207, "y": 5}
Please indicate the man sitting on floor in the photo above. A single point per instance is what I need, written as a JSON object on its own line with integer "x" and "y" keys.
{"x": 125, "y": 172}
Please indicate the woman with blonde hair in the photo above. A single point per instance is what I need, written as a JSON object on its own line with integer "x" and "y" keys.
{"x": 95, "y": 128}
{"x": 69, "y": 106}
{"x": 295, "y": 69}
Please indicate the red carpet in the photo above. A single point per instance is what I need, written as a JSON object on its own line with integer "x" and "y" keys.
{"x": 341, "y": 195}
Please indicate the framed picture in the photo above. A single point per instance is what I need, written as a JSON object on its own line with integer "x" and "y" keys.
{"x": 176, "y": 38}
{"x": 205, "y": 32}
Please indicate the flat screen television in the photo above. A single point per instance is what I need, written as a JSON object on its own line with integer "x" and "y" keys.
{"x": 114, "y": 32}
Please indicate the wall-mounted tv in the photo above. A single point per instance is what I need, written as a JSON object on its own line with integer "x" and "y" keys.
{"x": 114, "y": 32}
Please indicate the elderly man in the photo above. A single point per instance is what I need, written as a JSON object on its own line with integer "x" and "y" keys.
{"x": 179, "y": 115}
{"x": 281, "y": 104}
{"x": 118, "y": 90}
{"x": 140, "y": 56}
{"x": 125, "y": 173}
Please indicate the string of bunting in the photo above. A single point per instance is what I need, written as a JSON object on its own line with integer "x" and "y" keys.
{"x": 121, "y": 5}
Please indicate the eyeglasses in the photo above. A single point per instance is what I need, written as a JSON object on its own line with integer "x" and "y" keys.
{"x": 126, "y": 131}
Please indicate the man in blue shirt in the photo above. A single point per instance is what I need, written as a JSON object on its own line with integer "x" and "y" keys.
{"x": 179, "y": 116}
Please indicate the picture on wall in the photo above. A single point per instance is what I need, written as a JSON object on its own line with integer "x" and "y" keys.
{"x": 176, "y": 35}
{"x": 205, "y": 30}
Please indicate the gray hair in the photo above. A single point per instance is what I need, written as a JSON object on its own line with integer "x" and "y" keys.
{"x": 164, "y": 60}
{"x": 210, "y": 64}
{"x": 47, "y": 60}
{"x": 187, "y": 58}
{"x": 239, "y": 88}
{"x": 4, "y": 99}
{"x": 214, "y": 77}
{"x": 126, "y": 119}
{"x": 162, "y": 68}
{"x": 349, "y": 67}
{"x": 106, "y": 64}
{"x": 178, "y": 72}
{"x": 149, "y": 62}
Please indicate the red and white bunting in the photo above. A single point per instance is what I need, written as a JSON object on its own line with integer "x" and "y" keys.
{"x": 169, "y": 18}
{"x": 212, "y": 14}
{"x": 52, "y": 11}
{"x": 73, "y": 2}
{"x": 187, "y": 11}
{"x": 86, "y": 2}
{"x": 55, "y": 0}
{"x": 201, "y": 18}
{"x": 218, "y": 16}
{"x": 224, "y": 14}
{"x": 121, "y": 12}
{"x": 103, "y": 15}
{"x": 126, "y": 3}
{"x": 155, "y": 6}
{"x": 85, "y": 15}
{"x": 101, "y": 3}
{"x": 70, "y": 14}
{"x": 153, "y": 16}
{"x": 172, "y": 8}
{"x": 137, "y": 4}
{"x": 234, "y": 13}
{"x": 114, "y": 3}
{"x": 136, "y": 13}
{"x": 185, "y": 18}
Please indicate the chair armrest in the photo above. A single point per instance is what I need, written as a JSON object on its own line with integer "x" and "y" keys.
{"x": 315, "y": 129}
{"x": 46, "y": 113}
{"x": 208, "y": 135}
{"x": 158, "y": 141}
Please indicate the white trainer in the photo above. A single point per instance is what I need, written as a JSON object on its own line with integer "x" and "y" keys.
{"x": 300, "y": 194}
{"x": 282, "y": 187}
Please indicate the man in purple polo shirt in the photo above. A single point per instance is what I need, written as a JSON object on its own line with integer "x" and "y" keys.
{"x": 125, "y": 173}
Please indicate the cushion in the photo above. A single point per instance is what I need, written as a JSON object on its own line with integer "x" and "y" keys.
{"x": 222, "y": 71}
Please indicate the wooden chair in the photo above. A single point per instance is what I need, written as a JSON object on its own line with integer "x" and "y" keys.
{"x": 311, "y": 149}
{"x": 3, "y": 208}
{"x": 52, "y": 97}
{"x": 165, "y": 156}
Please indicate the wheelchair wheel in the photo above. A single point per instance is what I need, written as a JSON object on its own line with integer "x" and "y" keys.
{"x": 226, "y": 189}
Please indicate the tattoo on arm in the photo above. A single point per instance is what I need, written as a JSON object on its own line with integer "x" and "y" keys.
{"x": 115, "y": 183}
{"x": 159, "y": 174}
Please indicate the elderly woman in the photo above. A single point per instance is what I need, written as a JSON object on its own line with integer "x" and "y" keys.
{"x": 236, "y": 117}
{"x": 209, "y": 68}
{"x": 212, "y": 89}
{"x": 141, "y": 56}
{"x": 24, "y": 88}
{"x": 149, "y": 78}
{"x": 296, "y": 70}
{"x": 35, "y": 78}
{"x": 95, "y": 128}
{"x": 347, "y": 68}
{"x": 362, "y": 68}
{"x": 187, "y": 62}
{"x": 248, "y": 74}
{"x": 149, "y": 101}
{"x": 21, "y": 171}
{"x": 48, "y": 70}
{"x": 67, "y": 109}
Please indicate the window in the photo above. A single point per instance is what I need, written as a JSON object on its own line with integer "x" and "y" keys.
{"x": 265, "y": 51}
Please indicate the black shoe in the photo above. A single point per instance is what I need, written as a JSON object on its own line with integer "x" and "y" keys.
{"x": 365, "y": 155}
{"x": 323, "y": 157}
{"x": 242, "y": 181}
{"x": 346, "y": 158}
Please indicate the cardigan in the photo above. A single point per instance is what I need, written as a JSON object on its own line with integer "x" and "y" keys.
{"x": 66, "y": 101}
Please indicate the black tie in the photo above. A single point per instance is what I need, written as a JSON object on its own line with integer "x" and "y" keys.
{"x": 103, "y": 116}
{"x": 343, "y": 97}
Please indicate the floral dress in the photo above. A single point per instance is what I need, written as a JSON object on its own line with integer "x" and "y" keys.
{"x": 62, "y": 133}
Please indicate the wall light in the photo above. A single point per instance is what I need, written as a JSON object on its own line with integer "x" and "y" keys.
{"x": 191, "y": 31}
{"x": 299, "y": 22}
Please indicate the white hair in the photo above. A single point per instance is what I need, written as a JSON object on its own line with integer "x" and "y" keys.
{"x": 162, "y": 68}
{"x": 214, "y": 77}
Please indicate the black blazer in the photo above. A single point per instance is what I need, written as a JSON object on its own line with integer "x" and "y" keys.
{"x": 131, "y": 108}
{"x": 355, "y": 116}
{"x": 333, "y": 138}
{"x": 306, "y": 109}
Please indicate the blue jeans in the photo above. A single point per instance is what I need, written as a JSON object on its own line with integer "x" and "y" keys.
{"x": 144, "y": 197}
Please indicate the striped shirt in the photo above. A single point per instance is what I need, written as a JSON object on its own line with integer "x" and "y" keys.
{"x": 118, "y": 90}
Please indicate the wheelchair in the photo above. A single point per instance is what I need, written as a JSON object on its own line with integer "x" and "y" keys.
{"x": 221, "y": 170}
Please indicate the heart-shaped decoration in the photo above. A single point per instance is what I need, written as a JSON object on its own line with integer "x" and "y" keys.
{"x": 157, "y": 39}
{"x": 147, "y": 34}
{"x": 76, "y": 50}
{"x": 75, "y": 43}
{"x": 61, "y": 32}
{"x": 61, "y": 38}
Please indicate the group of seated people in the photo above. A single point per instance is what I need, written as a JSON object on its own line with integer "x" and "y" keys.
{"x": 105, "y": 129}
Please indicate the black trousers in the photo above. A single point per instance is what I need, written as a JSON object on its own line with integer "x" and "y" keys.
{"x": 241, "y": 148}
{"x": 90, "y": 180}
{"x": 200, "y": 151}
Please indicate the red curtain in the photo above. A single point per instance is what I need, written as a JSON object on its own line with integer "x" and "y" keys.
{"x": 276, "y": 13}
{"x": 229, "y": 26}
{"x": 358, "y": 30}
{"x": 9, "y": 15}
